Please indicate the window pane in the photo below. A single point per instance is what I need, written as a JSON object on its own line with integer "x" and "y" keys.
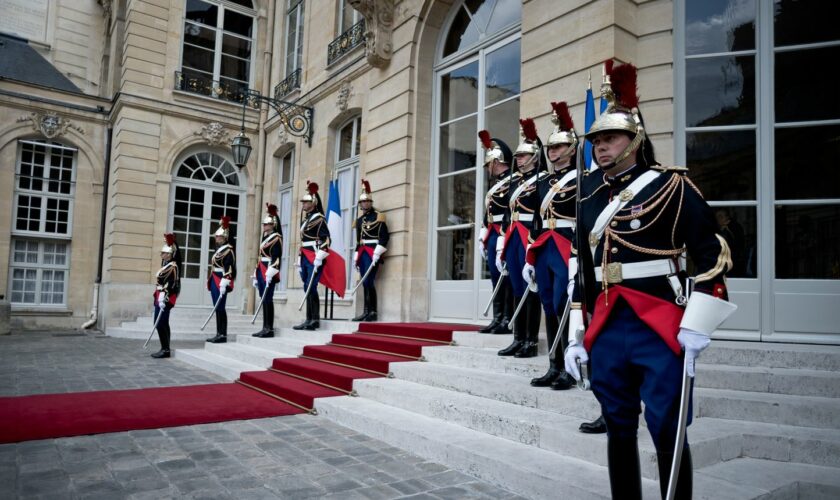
{"x": 812, "y": 98}
{"x": 458, "y": 145}
{"x": 200, "y": 59}
{"x": 459, "y": 92}
{"x": 202, "y": 12}
{"x": 506, "y": 13}
{"x": 805, "y": 21}
{"x": 455, "y": 255}
{"x": 808, "y": 242}
{"x": 201, "y": 36}
{"x": 238, "y": 23}
{"x": 719, "y": 26}
{"x": 456, "y": 199}
{"x": 720, "y": 91}
{"x": 235, "y": 68}
{"x": 236, "y": 46}
{"x": 722, "y": 164}
{"x": 501, "y": 122}
{"x": 502, "y": 74}
{"x": 462, "y": 34}
{"x": 806, "y": 162}
{"x": 345, "y": 144}
{"x": 738, "y": 225}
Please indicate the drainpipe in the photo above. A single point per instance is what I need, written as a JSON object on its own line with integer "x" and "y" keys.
{"x": 94, "y": 312}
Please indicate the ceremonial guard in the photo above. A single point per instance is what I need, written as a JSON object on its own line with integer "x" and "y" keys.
{"x": 497, "y": 160}
{"x": 524, "y": 205}
{"x": 636, "y": 219}
{"x": 167, "y": 287}
{"x": 548, "y": 260}
{"x": 267, "y": 272}
{"x": 371, "y": 242}
{"x": 314, "y": 249}
{"x": 221, "y": 277}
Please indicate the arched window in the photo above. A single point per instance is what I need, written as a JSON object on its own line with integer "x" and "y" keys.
{"x": 209, "y": 167}
{"x": 476, "y": 20}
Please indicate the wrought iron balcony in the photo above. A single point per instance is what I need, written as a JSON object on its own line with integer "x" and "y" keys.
{"x": 288, "y": 85}
{"x": 198, "y": 84}
{"x": 346, "y": 42}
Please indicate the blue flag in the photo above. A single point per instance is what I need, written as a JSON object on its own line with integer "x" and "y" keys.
{"x": 603, "y": 106}
{"x": 589, "y": 119}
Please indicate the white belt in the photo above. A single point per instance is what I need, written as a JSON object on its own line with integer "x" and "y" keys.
{"x": 498, "y": 218}
{"x": 309, "y": 244}
{"x": 265, "y": 259}
{"x": 523, "y": 217}
{"x": 218, "y": 269}
{"x": 370, "y": 242}
{"x": 558, "y": 223}
{"x": 617, "y": 272}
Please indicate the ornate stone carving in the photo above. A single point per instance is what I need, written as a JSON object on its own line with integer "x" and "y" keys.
{"x": 345, "y": 92}
{"x": 282, "y": 135}
{"x": 50, "y": 124}
{"x": 379, "y": 21}
{"x": 214, "y": 134}
{"x": 107, "y": 6}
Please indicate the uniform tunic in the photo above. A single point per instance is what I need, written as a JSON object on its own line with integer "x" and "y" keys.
{"x": 271, "y": 251}
{"x": 167, "y": 282}
{"x": 222, "y": 265}
{"x": 524, "y": 204}
{"x": 371, "y": 230}
{"x": 314, "y": 236}
{"x": 496, "y": 210}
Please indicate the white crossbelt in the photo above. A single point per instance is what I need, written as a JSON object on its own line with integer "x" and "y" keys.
{"x": 498, "y": 218}
{"x": 370, "y": 242}
{"x": 309, "y": 244}
{"x": 558, "y": 223}
{"x": 218, "y": 269}
{"x": 265, "y": 259}
{"x": 617, "y": 271}
{"x": 523, "y": 217}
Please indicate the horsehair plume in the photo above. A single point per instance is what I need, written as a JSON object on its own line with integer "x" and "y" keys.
{"x": 366, "y": 185}
{"x": 312, "y": 187}
{"x": 271, "y": 209}
{"x": 529, "y": 129}
{"x": 225, "y": 222}
{"x": 623, "y": 81}
{"x": 608, "y": 66}
{"x": 486, "y": 141}
{"x": 564, "y": 118}
{"x": 170, "y": 238}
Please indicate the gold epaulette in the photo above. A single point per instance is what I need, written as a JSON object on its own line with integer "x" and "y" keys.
{"x": 679, "y": 170}
{"x": 380, "y": 217}
{"x": 353, "y": 226}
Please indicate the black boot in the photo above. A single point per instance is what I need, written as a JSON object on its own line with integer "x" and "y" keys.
{"x": 268, "y": 322}
{"x": 221, "y": 329}
{"x": 372, "y": 315}
{"x": 163, "y": 335}
{"x": 597, "y": 426}
{"x": 308, "y": 319}
{"x": 552, "y": 323}
{"x": 264, "y": 328}
{"x": 533, "y": 311}
{"x": 520, "y": 333}
{"x": 625, "y": 473}
{"x": 506, "y": 301}
{"x": 684, "y": 478}
{"x": 498, "y": 313}
{"x": 366, "y": 310}
{"x": 315, "y": 312}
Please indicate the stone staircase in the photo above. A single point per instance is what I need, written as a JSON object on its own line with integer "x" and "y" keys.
{"x": 767, "y": 416}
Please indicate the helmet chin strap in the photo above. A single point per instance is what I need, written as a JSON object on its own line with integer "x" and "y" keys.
{"x": 528, "y": 163}
{"x": 630, "y": 149}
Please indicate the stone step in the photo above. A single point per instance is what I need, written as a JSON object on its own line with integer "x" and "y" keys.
{"x": 801, "y": 411}
{"x": 316, "y": 337}
{"x": 223, "y": 366}
{"x": 249, "y": 354}
{"x": 489, "y": 341}
{"x": 773, "y": 480}
{"x": 772, "y": 355}
{"x": 235, "y": 322}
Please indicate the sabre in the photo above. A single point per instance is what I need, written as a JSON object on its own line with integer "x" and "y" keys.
{"x": 519, "y": 306}
{"x": 583, "y": 383}
{"x": 262, "y": 297}
{"x": 496, "y": 289}
{"x": 308, "y": 288}
{"x": 682, "y": 423}
{"x": 362, "y": 280}
{"x": 552, "y": 354}
{"x": 154, "y": 327}
{"x": 213, "y": 311}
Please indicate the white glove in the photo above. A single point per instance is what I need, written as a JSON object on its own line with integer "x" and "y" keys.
{"x": 161, "y": 300}
{"x": 482, "y": 243}
{"x": 528, "y": 274}
{"x": 356, "y": 259}
{"x": 693, "y": 343}
{"x": 297, "y": 263}
{"x": 254, "y": 282}
{"x": 377, "y": 253}
{"x": 482, "y": 251}
{"x": 320, "y": 255}
{"x": 575, "y": 351}
{"x": 499, "y": 265}
{"x": 270, "y": 273}
{"x": 223, "y": 285}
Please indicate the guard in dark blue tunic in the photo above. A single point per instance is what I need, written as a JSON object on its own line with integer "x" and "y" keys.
{"x": 267, "y": 272}
{"x": 549, "y": 259}
{"x": 524, "y": 206}
{"x": 221, "y": 276}
{"x": 636, "y": 221}
{"x": 167, "y": 287}
{"x": 314, "y": 249}
{"x": 371, "y": 242}
{"x": 497, "y": 160}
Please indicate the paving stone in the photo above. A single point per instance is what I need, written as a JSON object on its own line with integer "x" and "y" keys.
{"x": 411, "y": 486}
{"x": 337, "y": 482}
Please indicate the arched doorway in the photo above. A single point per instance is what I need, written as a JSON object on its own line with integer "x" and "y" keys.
{"x": 205, "y": 186}
{"x": 476, "y": 86}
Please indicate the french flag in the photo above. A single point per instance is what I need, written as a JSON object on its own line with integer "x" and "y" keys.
{"x": 334, "y": 276}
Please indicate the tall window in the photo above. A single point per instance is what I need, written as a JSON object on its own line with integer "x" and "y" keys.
{"x": 285, "y": 206}
{"x": 294, "y": 36}
{"x": 218, "y": 45}
{"x": 349, "y": 179}
{"x": 42, "y": 226}
{"x": 347, "y": 16}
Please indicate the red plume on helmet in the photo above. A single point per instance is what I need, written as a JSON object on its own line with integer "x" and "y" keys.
{"x": 170, "y": 238}
{"x": 312, "y": 187}
{"x": 225, "y": 222}
{"x": 486, "y": 141}
{"x": 564, "y": 118}
{"x": 271, "y": 209}
{"x": 529, "y": 129}
{"x": 623, "y": 82}
{"x": 366, "y": 184}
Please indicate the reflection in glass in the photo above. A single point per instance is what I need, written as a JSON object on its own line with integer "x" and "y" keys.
{"x": 459, "y": 92}
{"x": 722, "y": 164}
{"x": 738, "y": 225}
{"x": 808, "y": 242}
{"x": 456, "y": 199}
{"x": 506, "y": 13}
{"x": 501, "y": 121}
{"x": 720, "y": 91}
{"x": 719, "y": 26}
{"x": 455, "y": 255}
{"x": 458, "y": 145}
{"x": 805, "y": 21}
{"x": 811, "y": 98}
{"x": 345, "y": 146}
{"x": 502, "y": 74}
{"x": 462, "y": 33}
{"x": 806, "y": 162}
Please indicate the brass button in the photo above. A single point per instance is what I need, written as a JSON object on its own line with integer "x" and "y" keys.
{"x": 614, "y": 250}
{"x": 613, "y": 224}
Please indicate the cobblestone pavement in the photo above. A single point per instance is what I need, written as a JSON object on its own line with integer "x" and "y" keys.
{"x": 290, "y": 457}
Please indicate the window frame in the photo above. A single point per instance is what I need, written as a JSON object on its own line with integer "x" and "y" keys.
{"x": 293, "y": 8}
{"x": 43, "y": 193}
{"x": 39, "y": 267}
{"x": 349, "y": 211}
{"x": 356, "y": 17}
{"x": 286, "y": 189}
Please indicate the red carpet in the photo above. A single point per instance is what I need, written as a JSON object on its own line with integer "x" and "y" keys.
{"x": 60, "y": 415}
{"x": 321, "y": 371}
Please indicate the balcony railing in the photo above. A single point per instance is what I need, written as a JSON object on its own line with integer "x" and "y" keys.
{"x": 346, "y": 42}
{"x": 198, "y": 84}
{"x": 288, "y": 85}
